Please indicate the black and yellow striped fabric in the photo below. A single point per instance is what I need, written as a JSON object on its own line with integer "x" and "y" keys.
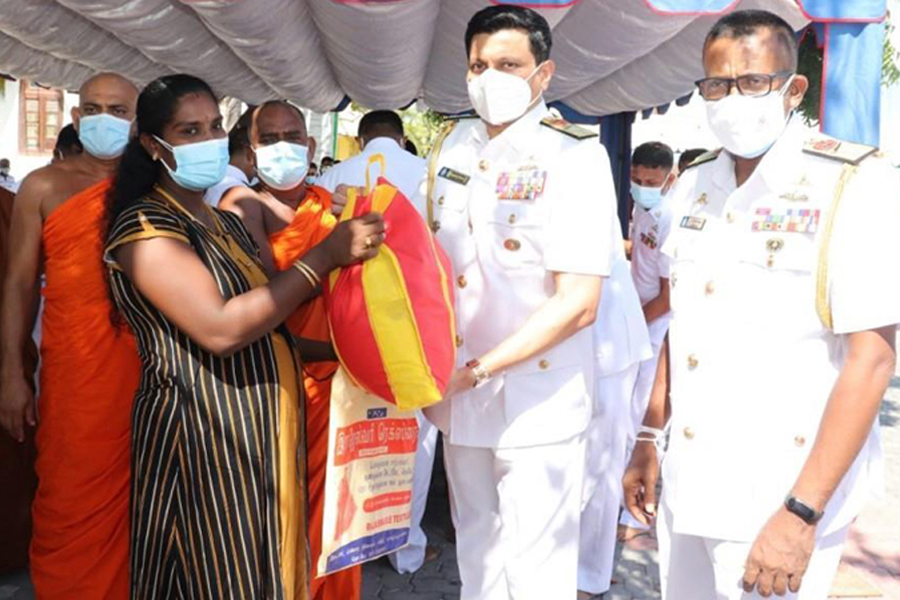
{"x": 218, "y": 489}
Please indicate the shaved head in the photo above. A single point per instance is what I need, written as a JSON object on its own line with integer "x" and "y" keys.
{"x": 277, "y": 118}
{"x": 107, "y": 93}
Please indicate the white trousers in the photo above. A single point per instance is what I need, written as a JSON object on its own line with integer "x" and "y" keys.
{"x": 516, "y": 513}
{"x": 604, "y": 466}
{"x": 411, "y": 557}
{"x": 697, "y": 568}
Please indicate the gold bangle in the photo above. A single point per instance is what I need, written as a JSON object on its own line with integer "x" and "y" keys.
{"x": 311, "y": 276}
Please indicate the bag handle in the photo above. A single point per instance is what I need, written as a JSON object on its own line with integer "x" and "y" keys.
{"x": 375, "y": 158}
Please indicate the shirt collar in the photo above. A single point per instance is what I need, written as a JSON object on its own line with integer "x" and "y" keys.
{"x": 235, "y": 173}
{"x": 517, "y": 135}
{"x": 381, "y": 143}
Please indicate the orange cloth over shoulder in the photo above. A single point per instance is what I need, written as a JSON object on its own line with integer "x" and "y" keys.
{"x": 312, "y": 223}
{"x": 89, "y": 375}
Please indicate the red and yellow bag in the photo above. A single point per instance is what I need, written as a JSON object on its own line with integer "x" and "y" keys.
{"x": 392, "y": 319}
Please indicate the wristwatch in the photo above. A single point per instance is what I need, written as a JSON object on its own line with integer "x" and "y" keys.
{"x": 803, "y": 510}
{"x": 480, "y": 373}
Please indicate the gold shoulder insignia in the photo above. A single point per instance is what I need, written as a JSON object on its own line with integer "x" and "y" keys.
{"x": 563, "y": 126}
{"x": 839, "y": 150}
{"x": 704, "y": 158}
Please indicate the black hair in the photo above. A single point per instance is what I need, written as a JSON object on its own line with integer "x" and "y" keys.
{"x": 745, "y": 23}
{"x": 328, "y": 159}
{"x": 689, "y": 156}
{"x": 411, "y": 148}
{"x": 505, "y": 16}
{"x": 239, "y": 136}
{"x": 378, "y": 123}
{"x": 653, "y": 155}
{"x": 138, "y": 172}
{"x": 67, "y": 141}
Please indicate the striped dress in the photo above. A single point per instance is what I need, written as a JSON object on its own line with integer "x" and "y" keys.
{"x": 218, "y": 483}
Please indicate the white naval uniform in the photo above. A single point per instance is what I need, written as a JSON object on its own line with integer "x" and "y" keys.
{"x": 512, "y": 211}
{"x": 621, "y": 343}
{"x": 752, "y": 364}
{"x": 405, "y": 171}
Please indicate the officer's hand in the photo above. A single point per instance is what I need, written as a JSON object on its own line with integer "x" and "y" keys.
{"x": 639, "y": 482}
{"x": 780, "y": 555}
{"x": 16, "y": 406}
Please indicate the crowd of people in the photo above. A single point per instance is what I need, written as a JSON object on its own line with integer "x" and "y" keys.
{"x": 733, "y": 350}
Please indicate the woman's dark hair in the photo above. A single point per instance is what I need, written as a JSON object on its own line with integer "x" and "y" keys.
{"x": 138, "y": 172}
{"x": 492, "y": 19}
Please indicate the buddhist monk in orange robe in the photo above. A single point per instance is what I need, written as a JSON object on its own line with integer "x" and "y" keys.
{"x": 287, "y": 223}
{"x": 90, "y": 370}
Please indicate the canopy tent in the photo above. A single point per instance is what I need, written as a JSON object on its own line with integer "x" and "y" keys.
{"x": 613, "y": 56}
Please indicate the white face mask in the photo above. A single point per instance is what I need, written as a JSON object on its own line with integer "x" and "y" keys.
{"x": 748, "y": 126}
{"x": 500, "y": 97}
{"x": 283, "y": 165}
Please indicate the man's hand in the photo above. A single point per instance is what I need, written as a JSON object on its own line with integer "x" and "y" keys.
{"x": 16, "y": 406}
{"x": 461, "y": 381}
{"x": 780, "y": 555}
{"x": 639, "y": 482}
{"x": 339, "y": 197}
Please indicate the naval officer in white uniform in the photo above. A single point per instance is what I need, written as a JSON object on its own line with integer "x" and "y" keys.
{"x": 785, "y": 301}
{"x": 524, "y": 206}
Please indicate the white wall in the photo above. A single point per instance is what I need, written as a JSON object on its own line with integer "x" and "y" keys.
{"x": 9, "y": 130}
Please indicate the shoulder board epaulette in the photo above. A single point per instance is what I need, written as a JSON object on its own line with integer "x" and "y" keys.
{"x": 839, "y": 150}
{"x": 704, "y": 158}
{"x": 563, "y": 126}
{"x": 460, "y": 117}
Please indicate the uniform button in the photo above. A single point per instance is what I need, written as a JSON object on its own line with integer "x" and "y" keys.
{"x": 692, "y": 361}
{"x": 483, "y": 165}
{"x": 459, "y": 342}
{"x": 770, "y": 262}
{"x": 688, "y": 433}
{"x": 702, "y": 199}
{"x": 730, "y": 217}
{"x": 710, "y": 288}
{"x": 461, "y": 281}
{"x": 512, "y": 245}
{"x": 512, "y": 218}
{"x": 544, "y": 364}
{"x": 435, "y": 226}
{"x": 673, "y": 278}
{"x": 799, "y": 441}
{"x": 441, "y": 200}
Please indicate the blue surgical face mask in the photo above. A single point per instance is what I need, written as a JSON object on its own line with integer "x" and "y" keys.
{"x": 311, "y": 179}
{"x": 200, "y": 165}
{"x": 103, "y": 135}
{"x": 283, "y": 165}
{"x": 647, "y": 198}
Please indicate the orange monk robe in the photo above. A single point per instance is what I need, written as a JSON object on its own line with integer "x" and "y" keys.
{"x": 312, "y": 223}
{"x": 89, "y": 375}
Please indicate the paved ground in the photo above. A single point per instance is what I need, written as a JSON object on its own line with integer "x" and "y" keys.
{"x": 871, "y": 566}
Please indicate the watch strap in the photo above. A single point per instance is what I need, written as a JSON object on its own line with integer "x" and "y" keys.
{"x": 803, "y": 510}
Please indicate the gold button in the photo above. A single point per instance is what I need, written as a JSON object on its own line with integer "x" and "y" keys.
{"x": 461, "y": 281}
{"x": 730, "y": 217}
{"x": 435, "y": 226}
{"x": 702, "y": 199}
{"x": 688, "y": 433}
{"x": 544, "y": 364}
{"x": 512, "y": 245}
{"x": 459, "y": 342}
{"x": 770, "y": 262}
{"x": 692, "y": 361}
{"x": 710, "y": 288}
{"x": 483, "y": 165}
{"x": 800, "y": 441}
{"x": 441, "y": 200}
{"x": 512, "y": 218}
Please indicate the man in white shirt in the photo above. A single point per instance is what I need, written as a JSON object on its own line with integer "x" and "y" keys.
{"x": 785, "y": 305}
{"x": 651, "y": 176}
{"x": 381, "y": 132}
{"x": 523, "y": 204}
{"x": 7, "y": 181}
{"x": 240, "y": 166}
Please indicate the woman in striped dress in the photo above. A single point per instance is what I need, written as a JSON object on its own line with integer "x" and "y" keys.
{"x": 218, "y": 464}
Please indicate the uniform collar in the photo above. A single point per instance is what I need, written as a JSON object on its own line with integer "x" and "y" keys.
{"x": 381, "y": 144}
{"x": 518, "y": 135}
{"x": 235, "y": 173}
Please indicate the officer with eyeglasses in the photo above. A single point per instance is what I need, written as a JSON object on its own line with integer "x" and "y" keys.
{"x": 785, "y": 305}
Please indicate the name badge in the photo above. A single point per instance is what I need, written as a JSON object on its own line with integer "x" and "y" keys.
{"x": 695, "y": 223}
{"x": 454, "y": 176}
{"x": 524, "y": 184}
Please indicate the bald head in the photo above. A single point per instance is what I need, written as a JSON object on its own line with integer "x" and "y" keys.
{"x": 276, "y": 121}
{"x": 106, "y": 93}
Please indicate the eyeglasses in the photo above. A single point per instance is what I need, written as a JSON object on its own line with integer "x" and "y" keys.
{"x": 751, "y": 84}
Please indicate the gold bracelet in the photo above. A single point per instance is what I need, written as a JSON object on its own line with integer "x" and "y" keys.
{"x": 311, "y": 276}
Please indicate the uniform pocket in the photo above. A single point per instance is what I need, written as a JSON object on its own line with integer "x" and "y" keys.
{"x": 517, "y": 234}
